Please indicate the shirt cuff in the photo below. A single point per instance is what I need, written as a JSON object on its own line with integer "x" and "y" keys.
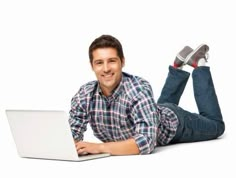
{"x": 77, "y": 137}
{"x": 144, "y": 144}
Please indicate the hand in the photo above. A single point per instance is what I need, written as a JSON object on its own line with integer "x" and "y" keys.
{"x": 84, "y": 148}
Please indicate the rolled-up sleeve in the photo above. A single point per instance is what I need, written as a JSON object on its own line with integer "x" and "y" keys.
{"x": 146, "y": 120}
{"x": 78, "y": 118}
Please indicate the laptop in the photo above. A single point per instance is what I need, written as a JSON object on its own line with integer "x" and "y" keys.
{"x": 44, "y": 134}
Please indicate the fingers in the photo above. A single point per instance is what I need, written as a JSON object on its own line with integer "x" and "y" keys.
{"x": 81, "y": 148}
{"x": 87, "y": 148}
{"x": 82, "y": 152}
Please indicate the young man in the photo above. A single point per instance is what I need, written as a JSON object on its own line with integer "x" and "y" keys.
{"x": 123, "y": 114}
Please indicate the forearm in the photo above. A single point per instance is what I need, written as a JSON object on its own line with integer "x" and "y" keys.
{"x": 126, "y": 147}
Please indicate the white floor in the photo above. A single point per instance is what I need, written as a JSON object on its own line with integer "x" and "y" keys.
{"x": 203, "y": 159}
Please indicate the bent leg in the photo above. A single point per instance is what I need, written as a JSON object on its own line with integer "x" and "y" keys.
{"x": 206, "y": 125}
{"x": 174, "y": 86}
{"x": 205, "y": 96}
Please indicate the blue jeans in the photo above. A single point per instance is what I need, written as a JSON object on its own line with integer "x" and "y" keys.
{"x": 206, "y": 125}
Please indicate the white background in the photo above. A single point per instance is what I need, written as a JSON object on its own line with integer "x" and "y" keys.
{"x": 44, "y": 60}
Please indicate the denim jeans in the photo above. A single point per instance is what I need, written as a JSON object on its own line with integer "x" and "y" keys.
{"x": 208, "y": 123}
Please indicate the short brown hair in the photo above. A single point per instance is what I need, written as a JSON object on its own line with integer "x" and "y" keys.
{"x": 106, "y": 41}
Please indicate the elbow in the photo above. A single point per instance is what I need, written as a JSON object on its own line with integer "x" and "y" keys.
{"x": 147, "y": 149}
{"x": 145, "y": 144}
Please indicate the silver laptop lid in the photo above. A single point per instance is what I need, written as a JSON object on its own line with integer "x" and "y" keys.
{"x": 42, "y": 134}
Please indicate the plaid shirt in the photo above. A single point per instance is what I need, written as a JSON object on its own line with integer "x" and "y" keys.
{"x": 130, "y": 112}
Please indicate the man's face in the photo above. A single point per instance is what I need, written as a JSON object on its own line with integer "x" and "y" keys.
{"x": 107, "y": 67}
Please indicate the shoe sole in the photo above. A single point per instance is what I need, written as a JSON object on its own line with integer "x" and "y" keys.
{"x": 195, "y": 51}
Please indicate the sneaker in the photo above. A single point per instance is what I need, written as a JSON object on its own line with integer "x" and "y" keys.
{"x": 180, "y": 57}
{"x": 199, "y": 53}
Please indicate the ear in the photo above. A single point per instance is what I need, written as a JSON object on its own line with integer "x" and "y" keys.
{"x": 91, "y": 65}
{"x": 123, "y": 62}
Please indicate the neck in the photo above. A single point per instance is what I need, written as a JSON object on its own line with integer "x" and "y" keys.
{"x": 107, "y": 92}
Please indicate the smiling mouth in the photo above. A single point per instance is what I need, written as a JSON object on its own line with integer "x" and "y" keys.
{"x": 107, "y": 76}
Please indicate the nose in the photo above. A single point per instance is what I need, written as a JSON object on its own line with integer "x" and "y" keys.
{"x": 106, "y": 67}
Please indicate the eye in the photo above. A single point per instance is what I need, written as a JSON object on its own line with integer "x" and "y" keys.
{"x": 113, "y": 60}
{"x": 98, "y": 62}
